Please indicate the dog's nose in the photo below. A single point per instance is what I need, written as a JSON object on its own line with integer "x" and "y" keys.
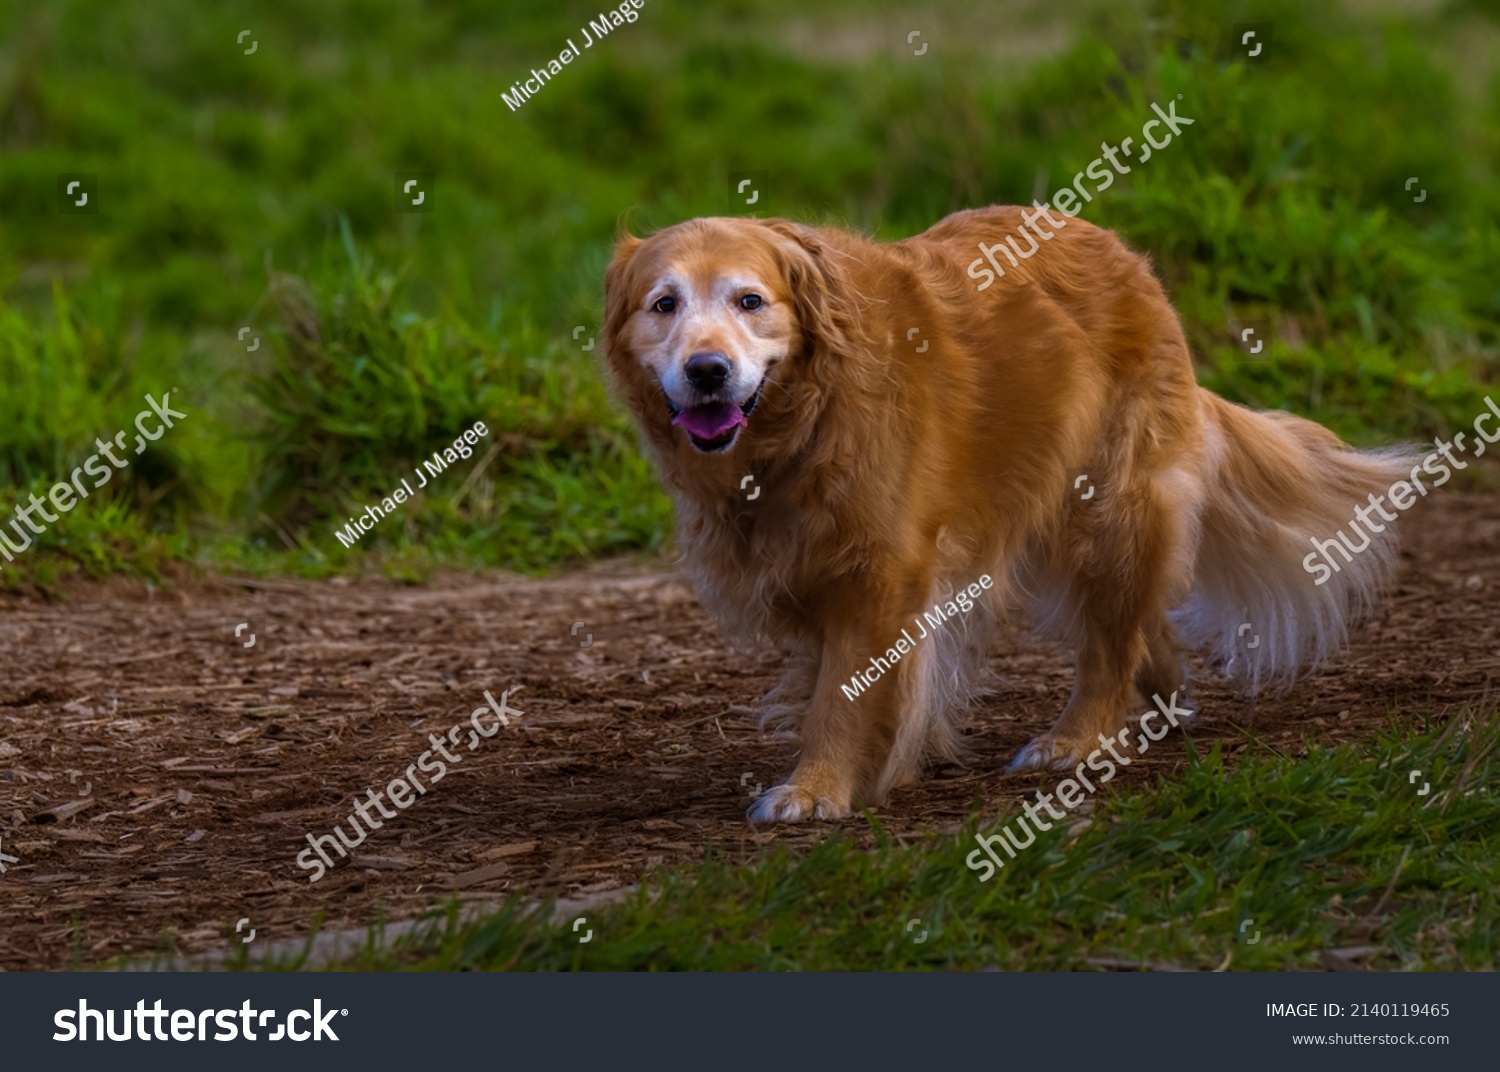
{"x": 707, "y": 371}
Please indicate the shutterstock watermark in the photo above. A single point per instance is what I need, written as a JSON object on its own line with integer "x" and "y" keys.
{"x": 1067, "y": 198}
{"x": 186, "y": 1025}
{"x": 62, "y": 494}
{"x": 1069, "y": 790}
{"x": 400, "y": 790}
{"x": 1400, "y": 496}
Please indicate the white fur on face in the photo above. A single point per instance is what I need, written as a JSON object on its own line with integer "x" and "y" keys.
{"x": 708, "y": 318}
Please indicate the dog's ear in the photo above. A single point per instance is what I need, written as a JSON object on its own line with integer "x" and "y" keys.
{"x": 617, "y": 295}
{"x": 824, "y": 297}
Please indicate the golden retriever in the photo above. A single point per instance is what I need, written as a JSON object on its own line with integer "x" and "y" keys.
{"x": 856, "y": 436}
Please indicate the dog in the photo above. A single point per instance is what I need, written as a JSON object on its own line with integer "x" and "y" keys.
{"x": 910, "y": 437}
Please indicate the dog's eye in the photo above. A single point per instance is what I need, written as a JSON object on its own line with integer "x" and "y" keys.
{"x": 665, "y": 305}
{"x": 751, "y": 302}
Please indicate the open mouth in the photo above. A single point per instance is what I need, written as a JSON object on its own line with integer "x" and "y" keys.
{"x": 714, "y": 426}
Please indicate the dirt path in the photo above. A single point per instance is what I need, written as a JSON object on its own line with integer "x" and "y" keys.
{"x": 197, "y": 766}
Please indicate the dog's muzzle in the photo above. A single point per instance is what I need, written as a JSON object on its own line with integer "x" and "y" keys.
{"x": 714, "y": 426}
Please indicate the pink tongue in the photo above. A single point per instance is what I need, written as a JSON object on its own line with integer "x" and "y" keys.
{"x": 711, "y": 421}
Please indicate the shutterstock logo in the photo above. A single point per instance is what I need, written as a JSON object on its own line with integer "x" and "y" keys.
{"x": 1070, "y": 199}
{"x": 74, "y": 1024}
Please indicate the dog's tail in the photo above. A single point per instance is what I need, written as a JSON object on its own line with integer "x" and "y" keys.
{"x": 1284, "y": 567}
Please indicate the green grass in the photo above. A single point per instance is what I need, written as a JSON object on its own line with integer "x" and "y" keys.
{"x": 1330, "y": 850}
{"x": 259, "y": 192}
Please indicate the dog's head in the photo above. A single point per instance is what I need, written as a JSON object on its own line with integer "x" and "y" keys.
{"x": 712, "y": 328}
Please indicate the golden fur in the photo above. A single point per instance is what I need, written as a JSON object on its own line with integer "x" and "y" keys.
{"x": 892, "y": 474}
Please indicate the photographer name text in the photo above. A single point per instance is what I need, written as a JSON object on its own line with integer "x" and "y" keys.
{"x": 608, "y": 21}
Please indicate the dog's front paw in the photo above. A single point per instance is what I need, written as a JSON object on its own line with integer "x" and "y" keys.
{"x": 792, "y": 803}
{"x": 1050, "y": 751}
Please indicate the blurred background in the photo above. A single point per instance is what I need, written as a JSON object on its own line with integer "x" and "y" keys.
{"x": 258, "y": 191}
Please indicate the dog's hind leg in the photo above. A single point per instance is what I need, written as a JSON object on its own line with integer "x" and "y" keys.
{"x": 1103, "y": 691}
{"x": 1129, "y": 559}
{"x": 1163, "y": 672}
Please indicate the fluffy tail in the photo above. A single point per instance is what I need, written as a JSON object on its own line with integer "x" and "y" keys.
{"x": 1284, "y": 568}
